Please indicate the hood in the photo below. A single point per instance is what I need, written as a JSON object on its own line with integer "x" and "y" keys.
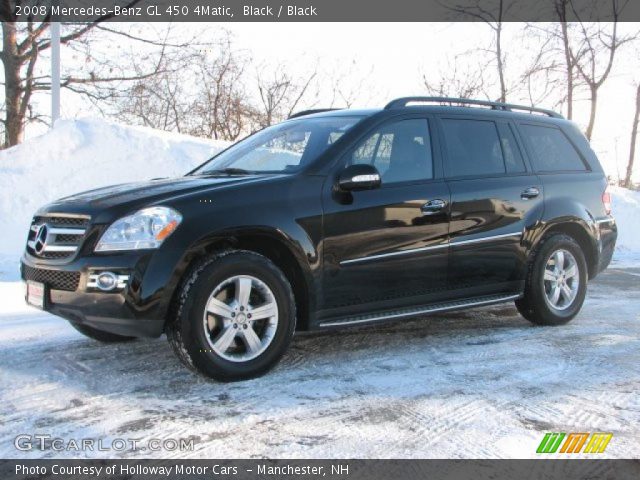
{"x": 151, "y": 191}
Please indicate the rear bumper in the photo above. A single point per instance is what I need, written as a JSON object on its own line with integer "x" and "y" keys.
{"x": 607, "y": 236}
{"x": 138, "y": 309}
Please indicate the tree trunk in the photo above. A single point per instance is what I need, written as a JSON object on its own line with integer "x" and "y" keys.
{"x": 14, "y": 120}
{"x": 503, "y": 88}
{"x": 592, "y": 113}
{"x": 569, "y": 66}
{"x": 634, "y": 139}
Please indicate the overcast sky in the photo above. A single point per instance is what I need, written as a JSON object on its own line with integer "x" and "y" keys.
{"x": 393, "y": 57}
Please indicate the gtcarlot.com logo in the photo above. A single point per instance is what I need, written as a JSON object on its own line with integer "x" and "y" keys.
{"x": 28, "y": 442}
{"x": 574, "y": 442}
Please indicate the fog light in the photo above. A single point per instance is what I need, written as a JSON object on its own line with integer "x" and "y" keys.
{"x": 107, "y": 281}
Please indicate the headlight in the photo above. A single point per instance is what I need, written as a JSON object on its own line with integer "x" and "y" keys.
{"x": 147, "y": 228}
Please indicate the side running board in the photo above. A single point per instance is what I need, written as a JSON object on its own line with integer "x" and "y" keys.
{"x": 416, "y": 311}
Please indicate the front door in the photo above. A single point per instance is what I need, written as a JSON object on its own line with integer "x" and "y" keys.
{"x": 387, "y": 247}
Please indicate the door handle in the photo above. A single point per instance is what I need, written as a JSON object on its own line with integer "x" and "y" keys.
{"x": 531, "y": 192}
{"x": 433, "y": 206}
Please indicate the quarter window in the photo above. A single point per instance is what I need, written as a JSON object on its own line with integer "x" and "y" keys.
{"x": 401, "y": 151}
{"x": 552, "y": 151}
{"x": 473, "y": 148}
{"x": 512, "y": 155}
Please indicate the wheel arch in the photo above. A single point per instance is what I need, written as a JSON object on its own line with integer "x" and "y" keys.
{"x": 287, "y": 254}
{"x": 578, "y": 229}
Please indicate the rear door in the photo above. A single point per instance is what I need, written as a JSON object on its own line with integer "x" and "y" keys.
{"x": 494, "y": 197}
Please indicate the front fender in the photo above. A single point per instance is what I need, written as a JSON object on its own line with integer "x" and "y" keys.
{"x": 286, "y": 215}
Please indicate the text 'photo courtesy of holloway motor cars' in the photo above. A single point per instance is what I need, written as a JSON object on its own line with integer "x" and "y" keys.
{"x": 330, "y": 219}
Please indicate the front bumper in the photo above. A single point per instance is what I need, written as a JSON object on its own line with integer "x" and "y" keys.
{"x": 139, "y": 309}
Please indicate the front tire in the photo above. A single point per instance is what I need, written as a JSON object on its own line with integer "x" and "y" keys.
{"x": 236, "y": 316}
{"x": 556, "y": 283}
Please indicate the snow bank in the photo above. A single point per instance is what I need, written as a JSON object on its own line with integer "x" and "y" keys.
{"x": 82, "y": 154}
{"x": 626, "y": 210}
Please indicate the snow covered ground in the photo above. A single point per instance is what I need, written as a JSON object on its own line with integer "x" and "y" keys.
{"x": 482, "y": 383}
{"x": 475, "y": 384}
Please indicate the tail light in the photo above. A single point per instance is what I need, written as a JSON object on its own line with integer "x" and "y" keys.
{"x": 606, "y": 201}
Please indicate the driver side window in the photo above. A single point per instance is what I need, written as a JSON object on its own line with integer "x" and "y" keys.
{"x": 400, "y": 150}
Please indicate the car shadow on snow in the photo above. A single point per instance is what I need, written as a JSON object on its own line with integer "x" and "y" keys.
{"x": 478, "y": 361}
{"x": 148, "y": 367}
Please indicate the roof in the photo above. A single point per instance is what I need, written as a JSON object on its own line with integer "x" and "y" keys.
{"x": 443, "y": 105}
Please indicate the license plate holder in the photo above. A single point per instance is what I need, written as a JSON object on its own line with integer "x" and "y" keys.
{"x": 36, "y": 294}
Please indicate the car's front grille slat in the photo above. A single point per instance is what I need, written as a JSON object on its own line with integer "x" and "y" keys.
{"x": 56, "y": 237}
{"x": 69, "y": 238}
{"x": 62, "y": 221}
{"x": 54, "y": 279}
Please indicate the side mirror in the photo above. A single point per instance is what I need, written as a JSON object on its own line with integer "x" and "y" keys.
{"x": 359, "y": 177}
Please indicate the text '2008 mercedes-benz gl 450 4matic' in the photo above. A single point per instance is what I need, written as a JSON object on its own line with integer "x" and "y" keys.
{"x": 332, "y": 218}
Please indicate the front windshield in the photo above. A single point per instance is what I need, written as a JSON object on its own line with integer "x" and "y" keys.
{"x": 286, "y": 147}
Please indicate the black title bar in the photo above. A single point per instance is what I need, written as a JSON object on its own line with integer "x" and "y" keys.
{"x": 317, "y": 10}
{"x": 318, "y": 469}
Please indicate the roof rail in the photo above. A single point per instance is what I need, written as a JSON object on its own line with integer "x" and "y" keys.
{"x": 310, "y": 112}
{"x": 402, "y": 102}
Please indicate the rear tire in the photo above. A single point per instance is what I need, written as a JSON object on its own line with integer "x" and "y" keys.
{"x": 235, "y": 316}
{"x": 99, "y": 335}
{"x": 556, "y": 282}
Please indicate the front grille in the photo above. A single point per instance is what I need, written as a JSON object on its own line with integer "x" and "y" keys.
{"x": 54, "y": 255}
{"x": 67, "y": 238}
{"x": 56, "y": 237}
{"x": 62, "y": 221}
{"x": 55, "y": 279}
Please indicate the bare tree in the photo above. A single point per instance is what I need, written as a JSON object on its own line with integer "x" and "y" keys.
{"x": 348, "y": 83}
{"x": 456, "y": 80}
{"x": 200, "y": 92}
{"x": 492, "y": 13}
{"x": 280, "y": 94}
{"x": 221, "y": 104}
{"x": 534, "y": 82}
{"x": 158, "y": 102}
{"x": 634, "y": 140}
{"x": 556, "y": 61}
{"x": 203, "y": 93}
{"x": 560, "y": 7}
{"x": 594, "y": 55}
{"x": 542, "y": 80}
{"x": 22, "y": 47}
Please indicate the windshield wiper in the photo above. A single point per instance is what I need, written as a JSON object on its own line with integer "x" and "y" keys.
{"x": 227, "y": 171}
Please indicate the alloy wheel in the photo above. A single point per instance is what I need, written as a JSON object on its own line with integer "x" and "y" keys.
{"x": 561, "y": 279}
{"x": 240, "y": 318}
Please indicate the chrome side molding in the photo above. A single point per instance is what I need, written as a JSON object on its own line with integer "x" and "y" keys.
{"x": 485, "y": 239}
{"x": 394, "y": 254}
{"x": 431, "y": 248}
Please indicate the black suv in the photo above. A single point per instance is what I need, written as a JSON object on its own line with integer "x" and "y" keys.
{"x": 332, "y": 218}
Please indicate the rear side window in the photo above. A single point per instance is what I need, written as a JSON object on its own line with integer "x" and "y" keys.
{"x": 552, "y": 150}
{"x": 473, "y": 148}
